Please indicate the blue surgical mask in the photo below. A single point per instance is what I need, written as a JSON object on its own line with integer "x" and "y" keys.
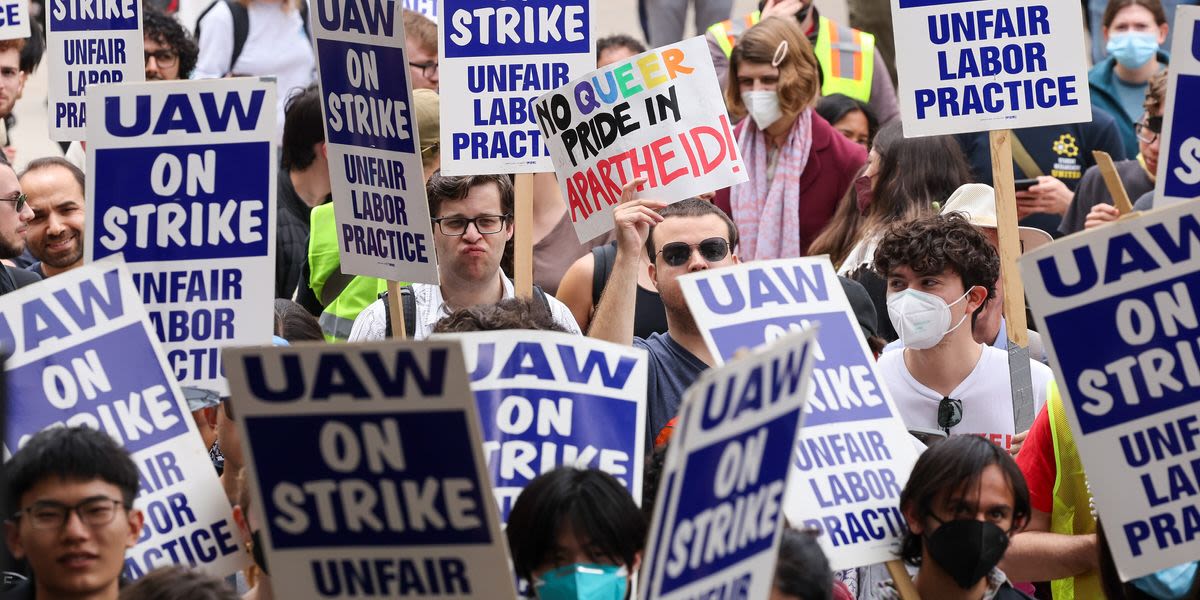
{"x": 1168, "y": 584}
{"x": 582, "y": 581}
{"x": 1133, "y": 49}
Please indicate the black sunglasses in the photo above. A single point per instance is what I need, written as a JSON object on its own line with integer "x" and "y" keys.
{"x": 678, "y": 253}
{"x": 950, "y": 413}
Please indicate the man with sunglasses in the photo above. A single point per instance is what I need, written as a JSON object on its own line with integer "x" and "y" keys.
{"x": 686, "y": 237}
{"x": 472, "y": 222}
{"x": 15, "y": 215}
{"x": 69, "y": 501}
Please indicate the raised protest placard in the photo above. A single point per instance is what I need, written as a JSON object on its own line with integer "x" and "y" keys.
{"x": 181, "y": 182}
{"x": 658, "y": 115}
{"x": 83, "y": 354}
{"x": 855, "y": 454}
{"x": 496, "y": 58}
{"x": 372, "y": 141}
{"x": 719, "y": 512}
{"x": 14, "y": 19}
{"x": 428, "y": 8}
{"x": 1116, "y": 307}
{"x": 1179, "y": 173}
{"x": 89, "y": 43}
{"x": 549, "y": 399}
{"x": 979, "y": 66}
{"x": 366, "y": 464}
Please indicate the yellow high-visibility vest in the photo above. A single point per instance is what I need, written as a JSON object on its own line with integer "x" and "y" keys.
{"x": 1072, "y": 512}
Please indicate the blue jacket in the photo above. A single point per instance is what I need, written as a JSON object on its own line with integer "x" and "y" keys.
{"x": 1103, "y": 86}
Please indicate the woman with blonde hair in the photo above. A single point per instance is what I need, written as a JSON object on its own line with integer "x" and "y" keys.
{"x": 799, "y": 165}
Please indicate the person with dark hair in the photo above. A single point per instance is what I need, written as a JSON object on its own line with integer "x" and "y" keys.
{"x": 852, "y": 118}
{"x": 472, "y": 221}
{"x": 802, "y": 572}
{"x": 178, "y": 583}
{"x": 170, "y": 51}
{"x": 509, "y": 313}
{"x": 15, "y": 215}
{"x": 573, "y": 528}
{"x": 302, "y": 183}
{"x": 34, "y": 50}
{"x": 940, "y": 272}
{"x": 964, "y": 498}
{"x": 54, "y": 190}
{"x": 613, "y": 48}
{"x": 1133, "y": 32}
{"x": 295, "y": 324}
{"x": 12, "y": 78}
{"x": 70, "y": 504}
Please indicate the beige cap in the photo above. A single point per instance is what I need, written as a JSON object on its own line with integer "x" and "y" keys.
{"x": 977, "y": 202}
{"x": 425, "y": 112}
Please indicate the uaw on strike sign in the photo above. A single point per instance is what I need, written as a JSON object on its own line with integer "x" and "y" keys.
{"x": 999, "y": 64}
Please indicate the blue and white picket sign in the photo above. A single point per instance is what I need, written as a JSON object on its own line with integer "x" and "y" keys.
{"x": 1179, "y": 155}
{"x": 720, "y": 507}
{"x": 855, "y": 453}
{"x": 181, "y": 182}
{"x": 366, "y": 466}
{"x": 979, "y": 66}
{"x": 89, "y": 43}
{"x": 1117, "y": 308}
{"x": 373, "y": 145}
{"x": 549, "y": 399}
{"x": 496, "y": 57}
{"x": 83, "y": 354}
{"x": 14, "y": 19}
{"x": 429, "y": 8}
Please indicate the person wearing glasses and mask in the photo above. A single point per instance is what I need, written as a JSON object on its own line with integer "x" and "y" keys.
{"x": 472, "y": 222}
{"x": 71, "y": 490}
{"x": 941, "y": 271}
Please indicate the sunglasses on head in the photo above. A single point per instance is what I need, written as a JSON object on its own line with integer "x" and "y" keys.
{"x": 950, "y": 413}
{"x": 678, "y": 253}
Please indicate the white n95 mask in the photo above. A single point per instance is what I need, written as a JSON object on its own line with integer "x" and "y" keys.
{"x": 763, "y": 106}
{"x": 922, "y": 319}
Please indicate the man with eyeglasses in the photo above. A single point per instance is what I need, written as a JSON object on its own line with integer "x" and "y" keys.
{"x": 685, "y": 237}
{"x": 15, "y": 215}
{"x": 472, "y": 222}
{"x": 170, "y": 51}
{"x": 421, "y": 47}
{"x": 70, "y": 514}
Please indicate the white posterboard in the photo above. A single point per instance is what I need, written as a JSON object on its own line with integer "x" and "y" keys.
{"x": 1179, "y": 149}
{"x": 1117, "y": 310}
{"x": 181, "y": 183}
{"x": 978, "y": 66}
{"x": 854, "y": 455}
{"x": 14, "y": 19}
{"x": 91, "y": 359}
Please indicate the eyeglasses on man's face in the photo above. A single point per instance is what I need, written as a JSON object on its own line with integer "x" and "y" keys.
{"x": 484, "y": 224}
{"x": 429, "y": 70}
{"x": 96, "y": 511}
{"x": 1148, "y": 129}
{"x": 165, "y": 58}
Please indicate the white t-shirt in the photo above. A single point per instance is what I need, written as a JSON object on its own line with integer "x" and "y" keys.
{"x": 986, "y": 395}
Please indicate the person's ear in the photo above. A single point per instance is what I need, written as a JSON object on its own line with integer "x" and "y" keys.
{"x": 12, "y": 535}
{"x": 24, "y": 76}
{"x": 653, "y": 270}
{"x": 322, "y": 151}
{"x": 914, "y": 523}
{"x": 976, "y": 296}
{"x": 736, "y": 260}
{"x": 637, "y": 563}
{"x": 136, "y": 520}
{"x": 239, "y": 517}
{"x": 1162, "y": 34}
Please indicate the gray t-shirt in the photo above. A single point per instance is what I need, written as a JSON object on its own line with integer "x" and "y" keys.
{"x": 1092, "y": 191}
{"x": 1145, "y": 202}
{"x": 672, "y": 370}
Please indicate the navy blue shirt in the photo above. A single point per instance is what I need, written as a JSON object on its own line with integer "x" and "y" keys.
{"x": 672, "y": 370}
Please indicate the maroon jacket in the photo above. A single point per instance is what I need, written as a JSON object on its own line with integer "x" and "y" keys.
{"x": 832, "y": 165}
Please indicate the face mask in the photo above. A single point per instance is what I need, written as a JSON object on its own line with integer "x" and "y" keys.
{"x": 583, "y": 582}
{"x": 1133, "y": 50}
{"x": 966, "y": 549}
{"x": 1169, "y": 584}
{"x": 921, "y": 319}
{"x": 763, "y": 106}
{"x": 256, "y": 550}
{"x": 864, "y": 191}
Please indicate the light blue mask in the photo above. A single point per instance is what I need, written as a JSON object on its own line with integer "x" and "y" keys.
{"x": 1133, "y": 49}
{"x": 1168, "y": 584}
{"x": 582, "y": 581}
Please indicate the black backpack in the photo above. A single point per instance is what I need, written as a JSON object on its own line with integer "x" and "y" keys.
{"x": 241, "y": 25}
{"x": 408, "y": 305}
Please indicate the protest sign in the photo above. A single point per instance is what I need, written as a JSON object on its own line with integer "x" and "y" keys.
{"x": 429, "y": 8}
{"x": 658, "y": 115}
{"x": 181, "y": 182}
{"x": 89, "y": 43}
{"x": 14, "y": 19}
{"x": 1179, "y": 172}
{"x": 549, "y": 399}
{"x": 366, "y": 463}
{"x": 1116, "y": 308}
{"x": 83, "y": 354}
{"x": 496, "y": 58}
{"x": 855, "y": 453}
{"x": 372, "y": 141}
{"x": 718, "y": 516}
{"x": 1003, "y": 64}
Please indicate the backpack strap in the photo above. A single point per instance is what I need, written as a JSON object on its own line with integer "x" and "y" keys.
{"x": 241, "y": 29}
{"x": 408, "y": 304}
{"x": 603, "y": 256}
{"x": 540, "y": 294}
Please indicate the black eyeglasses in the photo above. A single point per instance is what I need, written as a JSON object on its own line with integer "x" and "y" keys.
{"x": 20, "y": 200}
{"x": 165, "y": 58}
{"x": 428, "y": 69}
{"x": 1148, "y": 130}
{"x": 949, "y": 413}
{"x": 678, "y": 253}
{"x": 484, "y": 224}
{"x": 93, "y": 512}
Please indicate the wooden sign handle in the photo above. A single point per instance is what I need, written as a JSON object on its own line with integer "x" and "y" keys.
{"x": 1112, "y": 180}
{"x": 523, "y": 236}
{"x": 396, "y": 311}
{"x": 1010, "y": 238}
{"x": 900, "y": 579}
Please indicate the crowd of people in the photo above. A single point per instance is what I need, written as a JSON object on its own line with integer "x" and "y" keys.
{"x": 909, "y": 224}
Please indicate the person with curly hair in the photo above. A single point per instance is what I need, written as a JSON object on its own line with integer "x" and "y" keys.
{"x": 170, "y": 50}
{"x": 941, "y": 271}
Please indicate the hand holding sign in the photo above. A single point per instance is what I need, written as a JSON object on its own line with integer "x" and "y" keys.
{"x": 635, "y": 217}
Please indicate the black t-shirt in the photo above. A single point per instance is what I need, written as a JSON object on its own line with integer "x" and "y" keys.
{"x": 291, "y": 245}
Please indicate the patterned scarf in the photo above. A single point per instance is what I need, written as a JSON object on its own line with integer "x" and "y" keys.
{"x": 767, "y": 213}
